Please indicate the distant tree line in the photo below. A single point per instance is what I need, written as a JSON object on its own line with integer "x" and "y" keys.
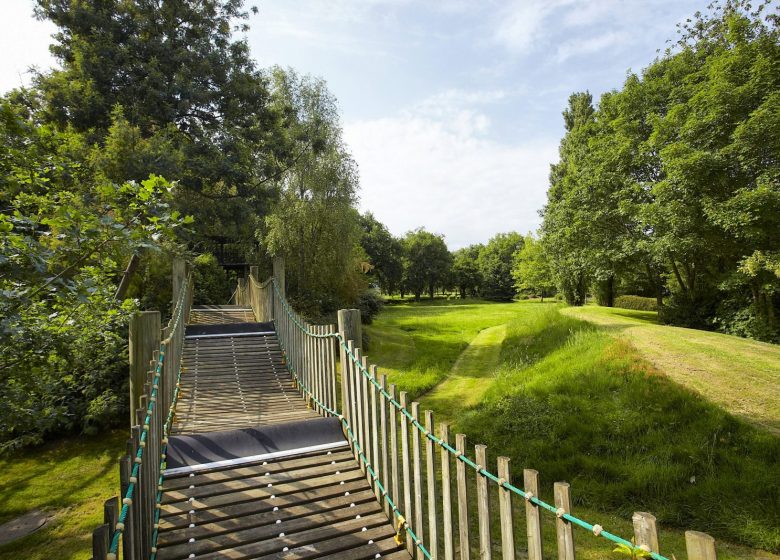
{"x": 670, "y": 187}
{"x": 419, "y": 263}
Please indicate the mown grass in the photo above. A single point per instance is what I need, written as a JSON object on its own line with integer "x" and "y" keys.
{"x": 418, "y": 343}
{"x": 579, "y": 404}
{"x": 69, "y": 478}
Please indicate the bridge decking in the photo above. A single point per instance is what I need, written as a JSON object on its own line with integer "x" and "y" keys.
{"x": 298, "y": 503}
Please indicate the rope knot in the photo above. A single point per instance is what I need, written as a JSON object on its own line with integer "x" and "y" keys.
{"x": 501, "y": 482}
{"x": 529, "y": 496}
{"x": 597, "y": 529}
{"x": 559, "y": 512}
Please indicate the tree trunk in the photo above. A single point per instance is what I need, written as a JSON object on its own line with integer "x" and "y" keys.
{"x": 124, "y": 284}
{"x": 430, "y": 290}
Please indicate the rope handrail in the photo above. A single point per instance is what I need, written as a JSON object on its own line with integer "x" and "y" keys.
{"x": 129, "y": 494}
{"x": 595, "y": 529}
{"x": 402, "y": 524}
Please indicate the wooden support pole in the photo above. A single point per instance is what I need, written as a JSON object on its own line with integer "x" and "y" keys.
{"x": 700, "y": 546}
{"x": 374, "y": 419}
{"x": 463, "y": 500}
{"x": 406, "y": 465}
{"x": 144, "y": 341}
{"x": 394, "y": 474}
{"x": 279, "y": 275}
{"x": 532, "y": 515}
{"x": 505, "y": 508}
{"x": 417, "y": 470}
{"x": 179, "y": 276}
{"x": 100, "y": 542}
{"x": 483, "y": 505}
{"x": 383, "y": 404}
{"x": 564, "y": 529}
{"x": 350, "y": 329}
{"x": 446, "y": 494}
{"x": 430, "y": 464}
{"x": 645, "y": 531}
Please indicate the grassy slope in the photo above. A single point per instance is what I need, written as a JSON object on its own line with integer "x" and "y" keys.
{"x": 418, "y": 348}
{"x": 742, "y": 376}
{"x": 71, "y": 478}
{"x": 587, "y": 408}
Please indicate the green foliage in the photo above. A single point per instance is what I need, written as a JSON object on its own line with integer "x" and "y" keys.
{"x": 465, "y": 270}
{"x": 370, "y": 304}
{"x": 427, "y": 262}
{"x": 637, "y": 303}
{"x": 495, "y": 266}
{"x": 531, "y": 269}
{"x": 210, "y": 280}
{"x": 314, "y": 224}
{"x": 384, "y": 251}
{"x": 571, "y": 399}
{"x": 676, "y": 175}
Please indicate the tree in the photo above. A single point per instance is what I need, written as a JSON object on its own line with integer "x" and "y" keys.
{"x": 168, "y": 90}
{"x": 427, "y": 262}
{"x": 314, "y": 225}
{"x": 531, "y": 268}
{"x": 495, "y": 266}
{"x": 384, "y": 251}
{"x": 465, "y": 270}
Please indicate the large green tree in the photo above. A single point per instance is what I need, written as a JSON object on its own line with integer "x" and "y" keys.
{"x": 427, "y": 262}
{"x": 495, "y": 266}
{"x": 385, "y": 253}
{"x": 466, "y": 275}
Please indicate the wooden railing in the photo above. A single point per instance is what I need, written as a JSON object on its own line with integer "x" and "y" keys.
{"x": 155, "y": 365}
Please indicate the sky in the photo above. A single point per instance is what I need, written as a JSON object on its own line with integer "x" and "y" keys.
{"x": 451, "y": 108}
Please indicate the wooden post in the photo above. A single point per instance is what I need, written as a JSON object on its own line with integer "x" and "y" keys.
{"x": 645, "y": 531}
{"x": 406, "y": 464}
{"x": 463, "y": 503}
{"x": 700, "y": 546}
{"x": 350, "y": 329}
{"x": 279, "y": 274}
{"x": 483, "y": 505}
{"x": 563, "y": 527}
{"x": 383, "y": 436}
{"x": 505, "y": 507}
{"x": 144, "y": 341}
{"x": 532, "y": 515}
{"x": 446, "y": 494}
{"x": 374, "y": 419}
{"x": 100, "y": 542}
{"x": 394, "y": 474}
{"x": 418, "y": 485}
{"x": 430, "y": 458}
{"x": 178, "y": 277}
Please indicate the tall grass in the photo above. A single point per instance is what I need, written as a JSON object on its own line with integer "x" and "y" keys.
{"x": 578, "y": 405}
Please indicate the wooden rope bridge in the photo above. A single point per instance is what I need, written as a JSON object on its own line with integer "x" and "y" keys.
{"x": 238, "y": 450}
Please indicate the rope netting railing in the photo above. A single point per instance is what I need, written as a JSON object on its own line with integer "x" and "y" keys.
{"x": 141, "y": 470}
{"x": 359, "y": 394}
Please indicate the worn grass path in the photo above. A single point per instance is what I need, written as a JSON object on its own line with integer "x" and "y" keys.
{"x": 470, "y": 376}
{"x": 741, "y": 375}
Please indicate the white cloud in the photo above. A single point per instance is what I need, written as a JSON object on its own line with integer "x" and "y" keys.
{"x": 521, "y": 23}
{"x": 591, "y": 45}
{"x": 442, "y": 172}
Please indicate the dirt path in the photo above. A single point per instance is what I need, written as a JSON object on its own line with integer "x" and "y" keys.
{"x": 470, "y": 376}
{"x": 740, "y": 375}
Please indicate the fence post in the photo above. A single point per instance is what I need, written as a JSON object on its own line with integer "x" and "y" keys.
{"x": 564, "y": 528}
{"x": 446, "y": 494}
{"x": 144, "y": 339}
{"x": 100, "y": 542}
{"x": 279, "y": 275}
{"x": 505, "y": 506}
{"x": 700, "y": 546}
{"x": 645, "y": 531}
{"x": 483, "y": 504}
{"x": 349, "y": 329}
{"x": 463, "y": 505}
{"x": 532, "y": 517}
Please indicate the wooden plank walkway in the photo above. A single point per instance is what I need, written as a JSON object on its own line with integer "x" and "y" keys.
{"x": 305, "y": 504}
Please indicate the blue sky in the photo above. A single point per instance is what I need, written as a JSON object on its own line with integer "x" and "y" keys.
{"x": 451, "y": 108}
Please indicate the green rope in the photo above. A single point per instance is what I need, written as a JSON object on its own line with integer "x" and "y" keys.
{"x": 128, "y": 499}
{"x": 596, "y": 530}
{"x": 375, "y": 477}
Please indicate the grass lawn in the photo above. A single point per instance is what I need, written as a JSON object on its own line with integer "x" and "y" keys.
{"x": 71, "y": 478}
{"x": 741, "y": 375}
{"x": 578, "y": 402}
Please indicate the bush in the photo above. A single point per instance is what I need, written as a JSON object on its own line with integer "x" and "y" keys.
{"x": 370, "y": 304}
{"x": 211, "y": 281}
{"x": 638, "y": 303}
